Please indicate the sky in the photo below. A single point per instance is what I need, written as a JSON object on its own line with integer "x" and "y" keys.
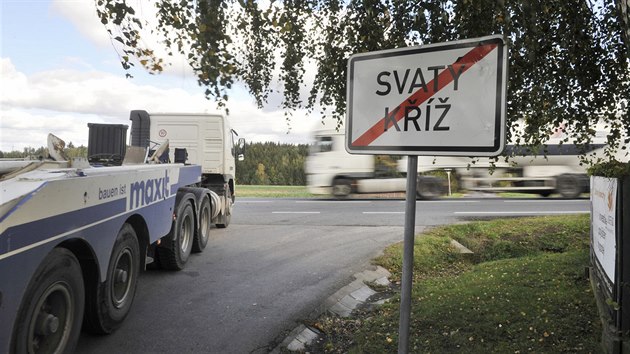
{"x": 59, "y": 71}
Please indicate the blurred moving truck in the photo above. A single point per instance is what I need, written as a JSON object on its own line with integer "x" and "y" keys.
{"x": 330, "y": 169}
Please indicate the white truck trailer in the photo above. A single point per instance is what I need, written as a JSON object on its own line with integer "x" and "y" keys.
{"x": 75, "y": 235}
{"x": 332, "y": 170}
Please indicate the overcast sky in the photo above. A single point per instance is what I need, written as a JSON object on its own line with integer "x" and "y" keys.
{"x": 60, "y": 71}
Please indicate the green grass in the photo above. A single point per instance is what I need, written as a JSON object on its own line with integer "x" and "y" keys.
{"x": 272, "y": 192}
{"x": 524, "y": 290}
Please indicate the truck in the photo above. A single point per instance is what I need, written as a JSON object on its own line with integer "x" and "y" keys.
{"x": 330, "y": 169}
{"x": 76, "y": 233}
{"x": 207, "y": 140}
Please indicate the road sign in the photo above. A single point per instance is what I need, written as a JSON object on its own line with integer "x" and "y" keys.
{"x": 444, "y": 99}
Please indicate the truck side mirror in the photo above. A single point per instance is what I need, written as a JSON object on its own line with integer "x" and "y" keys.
{"x": 240, "y": 149}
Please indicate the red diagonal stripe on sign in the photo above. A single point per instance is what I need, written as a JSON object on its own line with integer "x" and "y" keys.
{"x": 420, "y": 96}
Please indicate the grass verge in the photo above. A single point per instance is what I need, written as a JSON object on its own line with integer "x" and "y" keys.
{"x": 523, "y": 290}
{"x": 272, "y": 192}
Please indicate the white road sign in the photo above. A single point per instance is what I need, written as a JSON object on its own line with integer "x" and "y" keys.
{"x": 445, "y": 99}
{"x": 604, "y": 224}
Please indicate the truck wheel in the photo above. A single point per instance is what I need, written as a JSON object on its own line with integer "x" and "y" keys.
{"x": 568, "y": 186}
{"x": 176, "y": 256}
{"x": 49, "y": 319}
{"x": 108, "y": 307}
{"x": 205, "y": 221}
{"x": 428, "y": 188}
{"x": 342, "y": 187}
{"x": 227, "y": 216}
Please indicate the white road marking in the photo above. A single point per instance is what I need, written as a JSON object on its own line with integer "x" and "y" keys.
{"x": 442, "y": 201}
{"x": 546, "y": 201}
{"x": 333, "y": 201}
{"x": 522, "y": 212}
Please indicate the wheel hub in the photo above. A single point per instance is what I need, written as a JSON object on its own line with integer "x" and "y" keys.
{"x": 121, "y": 276}
{"x": 50, "y": 325}
{"x": 121, "y": 281}
{"x": 47, "y": 324}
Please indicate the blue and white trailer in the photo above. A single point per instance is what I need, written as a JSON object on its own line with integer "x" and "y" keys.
{"x": 74, "y": 237}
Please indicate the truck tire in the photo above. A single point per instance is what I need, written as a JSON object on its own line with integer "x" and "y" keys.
{"x": 429, "y": 187}
{"x": 50, "y": 316}
{"x": 227, "y": 215}
{"x": 205, "y": 222}
{"x": 109, "y": 306}
{"x": 176, "y": 254}
{"x": 342, "y": 187}
{"x": 568, "y": 186}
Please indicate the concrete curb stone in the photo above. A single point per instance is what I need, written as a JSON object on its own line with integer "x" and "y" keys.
{"x": 341, "y": 303}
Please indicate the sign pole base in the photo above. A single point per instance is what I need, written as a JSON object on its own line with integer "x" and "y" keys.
{"x": 407, "y": 266}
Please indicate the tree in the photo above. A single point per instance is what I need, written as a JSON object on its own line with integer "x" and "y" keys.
{"x": 271, "y": 163}
{"x": 261, "y": 176}
{"x": 569, "y": 60}
{"x": 624, "y": 9}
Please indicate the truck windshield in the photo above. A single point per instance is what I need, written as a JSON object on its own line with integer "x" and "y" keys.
{"x": 322, "y": 144}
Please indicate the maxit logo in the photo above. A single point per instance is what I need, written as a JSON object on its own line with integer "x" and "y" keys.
{"x": 148, "y": 191}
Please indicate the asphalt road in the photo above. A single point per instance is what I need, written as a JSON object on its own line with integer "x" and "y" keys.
{"x": 273, "y": 266}
{"x": 379, "y": 212}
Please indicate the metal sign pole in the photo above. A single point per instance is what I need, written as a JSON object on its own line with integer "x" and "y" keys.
{"x": 407, "y": 266}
